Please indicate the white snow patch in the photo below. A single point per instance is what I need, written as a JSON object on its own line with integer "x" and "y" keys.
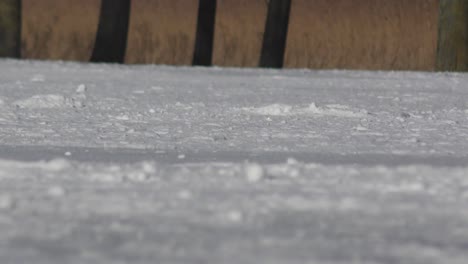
{"x": 43, "y": 101}
{"x": 38, "y": 78}
{"x": 254, "y": 172}
{"x": 334, "y": 110}
{"x": 8, "y": 168}
{"x": 292, "y": 161}
{"x": 141, "y": 174}
{"x": 81, "y": 89}
{"x": 50, "y": 101}
{"x": 185, "y": 195}
{"x": 157, "y": 88}
{"x": 56, "y": 191}
{"x": 122, "y": 117}
{"x": 312, "y": 109}
{"x": 56, "y": 165}
{"x": 300, "y": 203}
{"x": 6, "y": 114}
{"x": 78, "y": 100}
{"x": 6, "y": 202}
{"x": 273, "y": 110}
{"x": 235, "y": 216}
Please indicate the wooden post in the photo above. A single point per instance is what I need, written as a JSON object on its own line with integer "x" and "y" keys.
{"x": 452, "y": 48}
{"x": 203, "y": 52}
{"x": 10, "y": 28}
{"x": 111, "y": 37}
{"x": 276, "y": 31}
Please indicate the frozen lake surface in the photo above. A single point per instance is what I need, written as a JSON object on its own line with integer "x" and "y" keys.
{"x": 156, "y": 164}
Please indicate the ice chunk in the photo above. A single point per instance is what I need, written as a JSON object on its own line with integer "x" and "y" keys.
{"x": 254, "y": 172}
{"x": 42, "y": 101}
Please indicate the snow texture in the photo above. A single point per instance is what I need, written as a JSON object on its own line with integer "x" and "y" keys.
{"x": 155, "y": 164}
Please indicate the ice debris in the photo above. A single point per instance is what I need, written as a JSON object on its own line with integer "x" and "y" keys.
{"x": 56, "y": 191}
{"x": 327, "y": 110}
{"x": 234, "y": 216}
{"x": 185, "y": 195}
{"x": 42, "y": 101}
{"x": 78, "y": 100}
{"x": 6, "y": 202}
{"x": 254, "y": 172}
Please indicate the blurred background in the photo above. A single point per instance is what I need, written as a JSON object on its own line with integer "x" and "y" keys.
{"x": 357, "y": 34}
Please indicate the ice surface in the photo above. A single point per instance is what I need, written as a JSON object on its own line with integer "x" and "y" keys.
{"x": 154, "y": 164}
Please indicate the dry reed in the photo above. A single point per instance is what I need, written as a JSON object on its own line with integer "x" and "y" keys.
{"x": 162, "y": 31}
{"x": 363, "y": 34}
{"x": 239, "y": 32}
{"x": 59, "y": 29}
{"x": 358, "y": 34}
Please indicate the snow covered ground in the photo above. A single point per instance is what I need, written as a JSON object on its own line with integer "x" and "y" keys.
{"x": 152, "y": 164}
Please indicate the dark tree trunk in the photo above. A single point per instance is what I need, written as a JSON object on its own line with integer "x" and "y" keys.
{"x": 276, "y": 31}
{"x": 111, "y": 37}
{"x": 10, "y": 28}
{"x": 205, "y": 33}
{"x": 452, "y": 48}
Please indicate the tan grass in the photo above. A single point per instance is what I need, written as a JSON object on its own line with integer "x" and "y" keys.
{"x": 239, "y": 32}
{"x": 363, "y": 34}
{"x": 59, "y": 29}
{"x": 162, "y": 31}
{"x": 352, "y": 34}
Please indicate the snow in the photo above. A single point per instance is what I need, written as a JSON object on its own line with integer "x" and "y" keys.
{"x": 254, "y": 172}
{"x": 6, "y": 202}
{"x": 288, "y": 110}
{"x": 155, "y": 164}
{"x": 56, "y": 191}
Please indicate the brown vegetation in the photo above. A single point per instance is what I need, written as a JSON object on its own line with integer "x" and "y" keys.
{"x": 239, "y": 32}
{"x": 10, "y": 20}
{"x": 363, "y": 34}
{"x": 358, "y": 34}
{"x": 162, "y": 31}
{"x": 59, "y": 29}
